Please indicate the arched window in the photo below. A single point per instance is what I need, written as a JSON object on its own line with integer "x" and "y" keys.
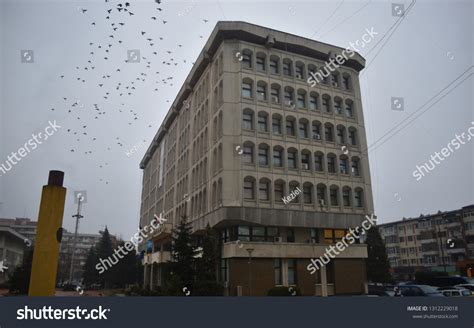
{"x": 355, "y": 166}
{"x": 299, "y": 70}
{"x": 276, "y": 124}
{"x": 334, "y": 195}
{"x": 321, "y": 194}
{"x": 346, "y": 81}
{"x": 293, "y": 187}
{"x": 326, "y": 103}
{"x": 262, "y": 122}
{"x": 338, "y": 105}
{"x": 247, "y": 88}
{"x": 343, "y": 164}
{"x": 247, "y": 119}
{"x": 316, "y": 130}
{"x": 308, "y": 193}
{"x": 263, "y": 154}
{"x": 306, "y": 160}
{"x": 290, "y": 126}
{"x": 346, "y": 196}
{"x": 275, "y": 93}
{"x": 318, "y": 161}
{"x": 287, "y": 67}
{"x": 219, "y": 192}
{"x": 329, "y": 132}
{"x": 277, "y": 156}
{"x": 249, "y": 188}
{"x": 261, "y": 63}
{"x": 264, "y": 189}
{"x": 335, "y": 79}
{"x": 248, "y": 153}
{"x": 301, "y": 99}
{"x": 261, "y": 91}
{"x": 349, "y": 108}
{"x": 359, "y": 197}
{"x": 303, "y": 128}
{"x": 331, "y": 163}
{"x": 246, "y": 58}
{"x": 274, "y": 64}
{"x": 289, "y": 95}
{"x": 279, "y": 190}
{"x": 292, "y": 159}
{"x": 313, "y": 101}
{"x": 341, "y": 134}
{"x": 352, "y": 136}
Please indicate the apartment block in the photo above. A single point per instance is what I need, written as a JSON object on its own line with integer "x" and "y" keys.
{"x": 436, "y": 242}
{"x": 246, "y": 131}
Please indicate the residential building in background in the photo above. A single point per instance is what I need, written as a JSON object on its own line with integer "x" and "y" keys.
{"x": 19, "y": 234}
{"x": 244, "y": 132}
{"x": 436, "y": 242}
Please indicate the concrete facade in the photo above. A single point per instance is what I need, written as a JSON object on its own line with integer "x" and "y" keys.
{"x": 434, "y": 242}
{"x": 245, "y": 131}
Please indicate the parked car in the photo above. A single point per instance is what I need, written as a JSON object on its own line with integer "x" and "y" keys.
{"x": 456, "y": 292}
{"x": 448, "y": 281}
{"x": 417, "y": 290}
{"x": 467, "y": 286}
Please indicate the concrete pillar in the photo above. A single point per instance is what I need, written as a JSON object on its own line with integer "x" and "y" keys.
{"x": 151, "y": 275}
{"x": 324, "y": 282}
{"x": 145, "y": 276}
{"x": 284, "y": 272}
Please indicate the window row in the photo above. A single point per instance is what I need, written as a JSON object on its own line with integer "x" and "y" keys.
{"x": 299, "y": 99}
{"x": 305, "y": 160}
{"x": 265, "y": 190}
{"x": 303, "y": 129}
{"x": 285, "y": 67}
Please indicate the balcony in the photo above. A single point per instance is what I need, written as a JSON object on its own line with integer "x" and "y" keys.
{"x": 288, "y": 250}
{"x": 157, "y": 257}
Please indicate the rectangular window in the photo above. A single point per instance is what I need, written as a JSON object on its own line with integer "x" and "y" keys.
{"x": 258, "y": 233}
{"x": 349, "y": 110}
{"x": 224, "y": 270}
{"x": 337, "y": 107}
{"x": 287, "y": 69}
{"x": 343, "y": 166}
{"x": 355, "y": 168}
{"x": 328, "y": 133}
{"x": 299, "y": 72}
{"x": 248, "y": 190}
{"x": 326, "y": 107}
{"x": 243, "y": 233}
{"x": 292, "y": 272}
{"x": 303, "y": 130}
{"x": 261, "y": 93}
{"x": 301, "y": 102}
{"x": 277, "y": 270}
{"x": 305, "y": 161}
{"x": 313, "y": 103}
{"x": 346, "y": 198}
{"x": 290, "y": 235}
{"x": 307, "y": 195}
{"x": 275, "y": 93}
{"x": 352, "y": 137}
{"x": 333, "y": 196}
{"x": 331, "y": 164}
{"x": 345, "y": 82}
{"x": 247, "y": 60}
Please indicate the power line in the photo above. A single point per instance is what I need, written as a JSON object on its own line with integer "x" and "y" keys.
{"x": 374, "y": 144}
{"x": 327, "y": 19}
{"x": 346, "y": 19}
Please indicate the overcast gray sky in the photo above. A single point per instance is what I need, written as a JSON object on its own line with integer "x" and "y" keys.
{"x": 418, "y": 57}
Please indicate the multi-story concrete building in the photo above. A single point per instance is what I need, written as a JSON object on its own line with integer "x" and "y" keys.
{"x": 437, "y": 242}
{"x": 247, "y": 129}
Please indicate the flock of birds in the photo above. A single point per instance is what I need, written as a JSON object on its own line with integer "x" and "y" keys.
{"x": 113, "y": 84}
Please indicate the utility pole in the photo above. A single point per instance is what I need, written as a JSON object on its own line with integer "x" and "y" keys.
{"x": 77, "y": 216}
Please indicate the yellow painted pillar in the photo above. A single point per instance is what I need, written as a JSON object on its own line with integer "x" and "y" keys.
{"x": 48, "y": 236}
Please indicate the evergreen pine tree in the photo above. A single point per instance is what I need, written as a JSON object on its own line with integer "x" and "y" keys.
{"x": 182, "y": 259}
{"x": 90, "y": 275}
{"x": 19, "y": 281}
{"x": 378, "y": 266}
{"x": 104, "y": 251}
{"x": 206, "y": 266}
